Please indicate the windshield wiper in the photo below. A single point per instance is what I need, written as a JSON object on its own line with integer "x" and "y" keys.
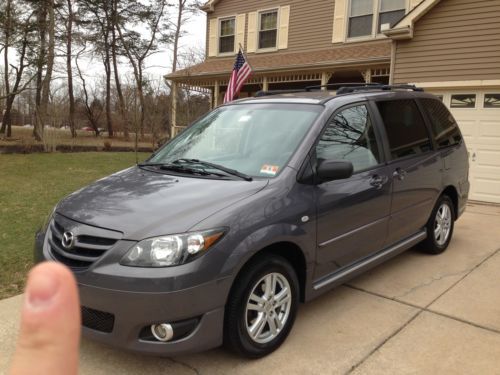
{"x": 219, "y": 167}
{"x": 180, "y": 168}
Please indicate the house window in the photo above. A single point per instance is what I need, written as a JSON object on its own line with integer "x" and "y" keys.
{"x": 366, "y": 17}
{"x": 361, "y": 18}
{"x": 492, "y": 101}
{"x": 268, "y": 29}
{"x": 463, "y": 101}
{"x": 226, "y": 35}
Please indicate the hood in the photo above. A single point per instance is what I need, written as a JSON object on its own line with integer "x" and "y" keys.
{"x": 142, "y": 204}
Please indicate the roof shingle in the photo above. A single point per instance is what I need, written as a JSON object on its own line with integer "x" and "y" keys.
{"x": 345, "y": 54}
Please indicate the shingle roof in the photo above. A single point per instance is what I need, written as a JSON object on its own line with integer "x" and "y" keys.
{"x": 345, "y": 54}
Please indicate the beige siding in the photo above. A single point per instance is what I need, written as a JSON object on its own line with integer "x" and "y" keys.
{"x": 310, "y": 26}
{"x": 457, "y": 40}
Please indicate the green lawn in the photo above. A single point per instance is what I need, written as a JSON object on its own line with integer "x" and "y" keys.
{"x": 30, "y": 186}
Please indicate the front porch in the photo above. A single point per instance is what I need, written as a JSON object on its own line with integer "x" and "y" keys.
{"x": 357, "y": 64}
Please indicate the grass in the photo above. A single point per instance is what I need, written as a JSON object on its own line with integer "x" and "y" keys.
{"x": 30, "y": 186}
{"x": 24, "y": 136}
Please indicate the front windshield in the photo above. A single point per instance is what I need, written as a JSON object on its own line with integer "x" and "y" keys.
{"x": 255, "y": 139}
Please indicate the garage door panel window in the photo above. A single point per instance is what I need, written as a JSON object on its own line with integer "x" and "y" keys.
{"x": 405, "y": 128}
{"x": 350, "y": 136}
{"x": 492, "y": 101}
{"x": 463, "y": 101}
{"x": 444, "y": 127}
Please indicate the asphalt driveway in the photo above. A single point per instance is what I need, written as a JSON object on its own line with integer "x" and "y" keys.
{"x": 415, "y": 314}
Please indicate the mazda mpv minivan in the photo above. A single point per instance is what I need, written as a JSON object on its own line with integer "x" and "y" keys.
{"x": 260, "y": 205}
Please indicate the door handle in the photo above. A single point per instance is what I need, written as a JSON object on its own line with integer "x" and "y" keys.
{"x": 378, "y": 181}
{"x": 473, "y": 156}
{"x": 400, "y": 174}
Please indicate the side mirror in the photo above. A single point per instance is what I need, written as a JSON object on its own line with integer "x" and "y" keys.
{"x": 330, "y": 170}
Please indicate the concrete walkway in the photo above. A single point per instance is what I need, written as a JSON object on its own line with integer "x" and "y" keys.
{"x": 416, "y": 314}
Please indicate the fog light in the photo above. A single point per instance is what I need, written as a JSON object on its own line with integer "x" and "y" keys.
{"x": 162, "y": 332}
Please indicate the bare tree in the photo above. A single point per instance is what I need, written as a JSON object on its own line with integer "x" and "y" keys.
{"x": 16, "y": 33}
{"x": 138, "y": 49}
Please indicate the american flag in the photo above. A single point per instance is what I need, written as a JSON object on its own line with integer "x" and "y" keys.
{"x": 241, "y": 71}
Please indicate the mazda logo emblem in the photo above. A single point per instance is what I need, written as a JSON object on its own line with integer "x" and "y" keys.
{"x": 68, "y": 240}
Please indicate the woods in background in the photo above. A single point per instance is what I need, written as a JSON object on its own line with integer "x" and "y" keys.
{"x": 46, "y": 45}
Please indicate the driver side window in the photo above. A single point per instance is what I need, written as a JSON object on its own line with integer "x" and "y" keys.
{"x": 350, "y": 136}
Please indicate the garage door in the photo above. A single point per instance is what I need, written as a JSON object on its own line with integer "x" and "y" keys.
{"x": 478, "y": 115}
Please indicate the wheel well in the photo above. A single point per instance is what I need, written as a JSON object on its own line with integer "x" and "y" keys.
{"x": 451, "y": 192}
{"x": 292, "y": 253}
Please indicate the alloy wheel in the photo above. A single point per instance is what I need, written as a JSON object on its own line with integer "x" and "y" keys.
{"x": 268, "y": 308}
{"x": 442, "y": 224}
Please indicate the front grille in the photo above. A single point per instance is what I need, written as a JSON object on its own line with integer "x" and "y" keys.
{"x": 97, "y": 320}
{"x": 86, "y": 248}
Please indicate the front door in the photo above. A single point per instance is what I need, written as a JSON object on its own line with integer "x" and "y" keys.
{"x": 353, "y": 213}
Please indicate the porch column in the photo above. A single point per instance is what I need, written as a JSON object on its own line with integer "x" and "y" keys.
{"x": 216, "y": 94}
{"x": 173, "y": 124}
{"x": 265, "y": 84}
{"x": 325, "y": 77}
{"x": 212, "y": 98}
{"x": 367, "y": 75}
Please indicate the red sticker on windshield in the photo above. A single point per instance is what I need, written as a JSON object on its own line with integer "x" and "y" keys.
{"x": 269, "y": 169}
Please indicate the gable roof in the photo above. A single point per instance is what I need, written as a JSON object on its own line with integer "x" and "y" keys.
{"x": 404, "y": 28}
{"x": 209, "y": 6}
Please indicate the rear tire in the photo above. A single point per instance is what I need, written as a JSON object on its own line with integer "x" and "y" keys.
{"x": 439, "y": 227}
{"x": 262, "y": 307}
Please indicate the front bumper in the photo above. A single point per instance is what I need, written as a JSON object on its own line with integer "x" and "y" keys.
{"x": 134, "y": 306}
{"x": 134, "y": 311}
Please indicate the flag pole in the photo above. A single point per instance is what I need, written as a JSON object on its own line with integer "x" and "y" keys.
{"x": 245, "y": 56}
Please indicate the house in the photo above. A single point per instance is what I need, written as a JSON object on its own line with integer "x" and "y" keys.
{"x": 449, "y": 47}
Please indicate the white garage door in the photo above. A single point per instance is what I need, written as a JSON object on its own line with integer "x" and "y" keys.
{"x": 478, "y": 115}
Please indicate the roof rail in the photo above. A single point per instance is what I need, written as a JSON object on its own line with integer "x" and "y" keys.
{"x": 348, "y": 90}
{"x": 337, "y": 86}
{"x": 343, "y": 88}
{"x": 277, "y": 92}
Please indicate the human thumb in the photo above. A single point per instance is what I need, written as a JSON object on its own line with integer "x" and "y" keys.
{"x": 49, "y": 336}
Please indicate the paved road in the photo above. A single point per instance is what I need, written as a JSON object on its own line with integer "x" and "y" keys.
{"x": 416, "y": 314}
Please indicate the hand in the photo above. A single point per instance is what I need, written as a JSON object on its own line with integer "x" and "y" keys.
{"x": 49, "y": 336}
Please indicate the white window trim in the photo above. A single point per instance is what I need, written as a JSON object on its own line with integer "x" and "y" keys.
{"x": 223, "y": 18}
{"x": 259, "y": 12}
{"x": 477, "y": 105}
{"x": 376, "y": 14}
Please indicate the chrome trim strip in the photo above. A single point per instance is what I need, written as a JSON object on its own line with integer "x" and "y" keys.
{"x": 353, "y": 231}
{"x": 337, "y": 276}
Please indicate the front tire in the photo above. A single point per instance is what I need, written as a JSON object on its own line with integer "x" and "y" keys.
{"x": 262, "y": 307}
{"x": 439, "y": 227}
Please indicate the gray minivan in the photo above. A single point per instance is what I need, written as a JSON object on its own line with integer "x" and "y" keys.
{"x": 262, "y": 204}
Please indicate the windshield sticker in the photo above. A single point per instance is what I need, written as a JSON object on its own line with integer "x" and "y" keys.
{"x": 269, "y": 169}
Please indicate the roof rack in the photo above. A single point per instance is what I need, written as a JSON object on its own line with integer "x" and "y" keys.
{"x": 342, "y": 88}
{"x": 277, "y": 92}
{"x": 382, "y": 87}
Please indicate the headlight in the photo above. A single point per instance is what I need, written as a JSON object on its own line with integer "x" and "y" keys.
{"x": 172, "y": 250}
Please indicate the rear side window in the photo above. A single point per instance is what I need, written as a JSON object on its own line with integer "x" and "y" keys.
{"x": 405, "y": 128}
{"x": 444, "y": 127}
{"x": 350, "y": 136}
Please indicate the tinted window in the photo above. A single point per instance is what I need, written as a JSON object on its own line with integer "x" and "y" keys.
{"x": 444, "y": 126}
{"x": 350, "y": 136}
{"x": 463, "y": 101}
{"x": 405, "y": 128}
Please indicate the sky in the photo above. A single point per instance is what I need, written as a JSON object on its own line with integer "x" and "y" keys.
{"x": 195, "y": 36}
{"x": 158, "y": 64}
